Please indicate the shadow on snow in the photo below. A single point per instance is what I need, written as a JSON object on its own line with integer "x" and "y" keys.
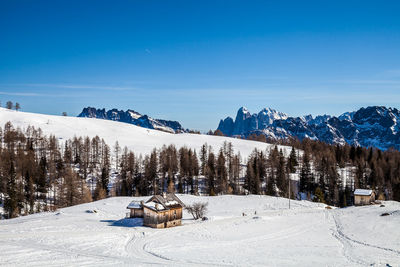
{"x": 134, "y": 222}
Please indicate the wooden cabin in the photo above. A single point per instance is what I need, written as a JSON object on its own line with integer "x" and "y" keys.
{"x": 160, "y": 211}
{"x": 363, "y": 197}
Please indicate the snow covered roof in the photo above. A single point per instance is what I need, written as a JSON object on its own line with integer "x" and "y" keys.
{"x": 154, "y": 205}
{"x": 164, "y": 202}
{"x": 167, "y": 200}
{"x": 171, "y": 203}
{"x": 134, "y": 205}
{"x": 158, "y": 202}
{"x": 363, "y": 192}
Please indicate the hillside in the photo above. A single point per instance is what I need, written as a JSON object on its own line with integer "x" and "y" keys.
{"x": 137, "y": 139}
{"x": 306, "y": 235}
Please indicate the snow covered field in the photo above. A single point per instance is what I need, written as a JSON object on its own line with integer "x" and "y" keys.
{"x": 306, "y": 235}
{"x": 138, "y": 139}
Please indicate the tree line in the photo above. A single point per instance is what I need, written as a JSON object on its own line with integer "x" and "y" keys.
{"x": 39, "y": 173}
{"x": 11, "y": 105}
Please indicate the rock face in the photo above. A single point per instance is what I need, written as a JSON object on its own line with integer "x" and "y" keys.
{"x": 374, "y": 126}
{"x": 133, "y": 117}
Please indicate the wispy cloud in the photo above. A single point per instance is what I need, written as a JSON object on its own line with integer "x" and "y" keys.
{"x": 20, "y": 94}
{"x": 79, "y": 86}
{"x": 33, "y": 94}
{"x": 395, "y": 73}
{"x": 376, "y": 82}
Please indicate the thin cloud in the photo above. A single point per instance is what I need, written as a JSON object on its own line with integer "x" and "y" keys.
{"x": 74, "y": 86}
{"x": 20, "y": 94}
{"x": 383, "y": 82}
{"x": 30, "y": 94}
{"x": 395, "y": 73}
{"x": 79, "y": 86}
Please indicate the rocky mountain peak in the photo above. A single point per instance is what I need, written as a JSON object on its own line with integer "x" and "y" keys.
{"x": 375, "y": 126}
{"x": 133, "y": 117}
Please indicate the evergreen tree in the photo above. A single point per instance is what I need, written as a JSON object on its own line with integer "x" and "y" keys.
{"x": 282, "y": 180}
{"x": 292, "y": 161}
{"x": 41, "y": 181}
{"x": 29, "y": 192}
{"x": 117, "y": 150}
{"x": 11, "y": 202}
{"x": 9, "y": 105}
{"x": 210, "y": 177}
{"x": 305, "y": 174}
{"x": 222, "y": 177}
{"x": 319, "y": 195}
{"x": 151, "y": 172}
{"x": 203, "y": 159}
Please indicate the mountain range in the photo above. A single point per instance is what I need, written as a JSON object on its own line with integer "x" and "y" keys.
{"x": 374, "y": 126}
{"x": 133, "y": 117}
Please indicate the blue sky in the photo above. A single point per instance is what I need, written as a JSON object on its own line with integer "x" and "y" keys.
{"x": 199, "y": 61}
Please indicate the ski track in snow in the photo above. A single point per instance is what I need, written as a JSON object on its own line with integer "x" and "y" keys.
{"x": 136, "y": 249}
{"x": 306, "y": 235}
{"x": 64, "y": 252}
{"x": 350, "y": 244}
{"x": 346, "y": 245}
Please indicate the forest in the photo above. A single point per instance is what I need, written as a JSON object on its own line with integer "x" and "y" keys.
{"x": 42, "y": 173}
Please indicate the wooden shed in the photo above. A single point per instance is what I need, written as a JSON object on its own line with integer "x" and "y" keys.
{"x": 363, "y": 197}
{"x": 136, "y": 209}
{"x": 160, "y": 211}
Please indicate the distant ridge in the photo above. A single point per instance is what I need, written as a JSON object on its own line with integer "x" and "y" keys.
{"x": 374, "y": 126}
{"x": 133, "y": 117}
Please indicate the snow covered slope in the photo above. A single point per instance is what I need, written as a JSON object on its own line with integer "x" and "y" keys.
{"x": 270, "y": 235}
{"x": 138, "y": 139}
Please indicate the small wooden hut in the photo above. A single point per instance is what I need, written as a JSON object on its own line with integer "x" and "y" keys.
{"x": 363, "y": 197}
{"x": 160, "y": 211}
{"x": 136, "y": 209}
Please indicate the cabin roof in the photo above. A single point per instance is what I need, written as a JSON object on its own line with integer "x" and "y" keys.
{"x": 158, "y": 202}
{"x": 154, "y": 206}
{"x": 363, "y": 192}
{"x": 167, "y": 200}
{"x": 134, "y": 205}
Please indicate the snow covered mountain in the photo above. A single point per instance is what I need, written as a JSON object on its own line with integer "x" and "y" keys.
{"x": 374, "y": 126}
{"x": 138, "y": 139}
{"x": 133, "y": 117}
{"x": 246, "y": 122}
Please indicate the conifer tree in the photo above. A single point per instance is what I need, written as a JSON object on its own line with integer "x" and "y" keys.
{"x": 203, "y": 159}
{"x": 11, "y": 202}
{"x": 221, "y": 177}
{"x": 292, "y": 161}
{"x": 210, "y": 177}
{"x": 282, "y": 180}
{"x": 305, "y": 174}
{"x": 9, "y": 105}
{"x": 29, "y": 192}
{"x": 151, "y": 172}
{"x": 117, "y": 150}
